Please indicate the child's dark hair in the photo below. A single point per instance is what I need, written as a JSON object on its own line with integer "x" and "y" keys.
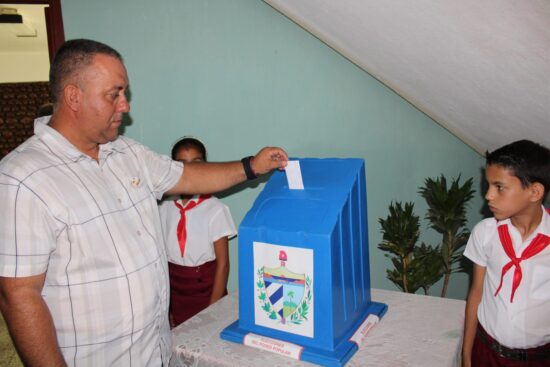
{"x": 188, "y": 142}
{"x": 528, "y": 161}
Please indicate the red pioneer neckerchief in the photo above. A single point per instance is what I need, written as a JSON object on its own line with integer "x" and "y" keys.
{"x": 182, "y": 227}
{"x": 538, "y": 244}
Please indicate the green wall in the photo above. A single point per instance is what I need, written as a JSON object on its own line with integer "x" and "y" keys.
{"x": 240, "y": 76}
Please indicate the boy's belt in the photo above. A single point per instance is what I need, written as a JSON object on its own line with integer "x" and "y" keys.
{"x": 531, "y": 354}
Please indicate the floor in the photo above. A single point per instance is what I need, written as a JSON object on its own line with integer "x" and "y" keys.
{"x": 8, "y": 355}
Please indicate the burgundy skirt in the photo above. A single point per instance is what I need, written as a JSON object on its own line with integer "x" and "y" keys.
{"x": 190, "y": 290}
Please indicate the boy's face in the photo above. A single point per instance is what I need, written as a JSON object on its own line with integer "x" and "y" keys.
{"x": 506, "y": 196}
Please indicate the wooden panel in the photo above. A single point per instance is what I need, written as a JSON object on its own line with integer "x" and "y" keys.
{"x": 19, "y": 104}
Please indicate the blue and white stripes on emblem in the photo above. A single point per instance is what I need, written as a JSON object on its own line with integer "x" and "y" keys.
{"x": 275, "y": 295}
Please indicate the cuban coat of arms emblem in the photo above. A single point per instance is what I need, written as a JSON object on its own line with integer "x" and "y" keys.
{"x": 283, "y": 287}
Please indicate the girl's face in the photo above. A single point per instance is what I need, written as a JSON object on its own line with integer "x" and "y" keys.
{"x": 187, "y": 155}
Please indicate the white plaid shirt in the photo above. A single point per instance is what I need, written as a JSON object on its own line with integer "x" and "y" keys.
{"x": 94, "y": 229}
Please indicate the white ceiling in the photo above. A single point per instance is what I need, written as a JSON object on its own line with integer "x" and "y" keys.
{"x": 33, "y": 19}
{"x": 481, "y": 69}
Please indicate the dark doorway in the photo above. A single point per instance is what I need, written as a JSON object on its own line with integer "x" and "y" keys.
{"x": 20, "y": 100}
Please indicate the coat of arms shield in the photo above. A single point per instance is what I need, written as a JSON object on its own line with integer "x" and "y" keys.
{"x": 284, "y": 288}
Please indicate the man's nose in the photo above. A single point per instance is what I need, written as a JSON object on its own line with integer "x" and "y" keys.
{"x": 124, "y": 105}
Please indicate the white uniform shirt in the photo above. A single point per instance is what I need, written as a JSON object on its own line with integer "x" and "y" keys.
{"x": 94, "y": 229}
{"x": 207, "y": 222}
{"x": 524, "y": 323}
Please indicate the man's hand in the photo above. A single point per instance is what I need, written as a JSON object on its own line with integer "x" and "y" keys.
{"x": 268, "y": 159}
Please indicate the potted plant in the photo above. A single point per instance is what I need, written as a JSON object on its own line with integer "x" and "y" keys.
{"x": 447, "y": 215}
{"x": 414, "y": 266}
{"x": 422, "y": 266}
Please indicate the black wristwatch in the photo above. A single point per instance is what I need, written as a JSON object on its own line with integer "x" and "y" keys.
{"x": 250, "y": 175}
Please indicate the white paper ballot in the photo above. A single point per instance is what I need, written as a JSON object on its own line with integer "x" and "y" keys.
{"x": 294, "y": 175}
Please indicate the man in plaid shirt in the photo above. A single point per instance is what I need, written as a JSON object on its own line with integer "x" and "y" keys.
{"x": 83, "y": 269}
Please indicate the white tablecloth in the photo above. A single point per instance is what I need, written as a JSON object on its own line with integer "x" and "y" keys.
{"x": 416, "y": 331}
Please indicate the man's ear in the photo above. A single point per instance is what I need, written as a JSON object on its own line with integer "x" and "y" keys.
{"x": 537, "y": 191}
{"x": 72, "y": 96}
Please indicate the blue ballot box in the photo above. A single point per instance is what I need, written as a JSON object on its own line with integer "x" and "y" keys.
{"x": 304, "y": 274}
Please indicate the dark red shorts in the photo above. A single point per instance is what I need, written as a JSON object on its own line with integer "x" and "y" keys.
{"x": 487, "y": 352}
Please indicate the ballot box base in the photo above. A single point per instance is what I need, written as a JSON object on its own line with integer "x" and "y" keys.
{"x": 330, "y": 358}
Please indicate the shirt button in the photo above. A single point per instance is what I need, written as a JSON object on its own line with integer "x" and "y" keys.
{"x": 120, "y": 201}
{"x": 138, "y": 233}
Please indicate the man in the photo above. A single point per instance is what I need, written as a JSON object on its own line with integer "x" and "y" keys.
{"x": 83, "y": 269}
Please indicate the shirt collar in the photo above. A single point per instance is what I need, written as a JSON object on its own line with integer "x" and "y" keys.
{"x": 60, "y": 145}
{"x": 543, "y": 227}
{"x": 193, "y": 198}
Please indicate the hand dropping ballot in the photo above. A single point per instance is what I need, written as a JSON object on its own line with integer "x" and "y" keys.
{"x": 294, "y": 175}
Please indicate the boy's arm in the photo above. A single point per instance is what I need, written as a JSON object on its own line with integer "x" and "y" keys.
{"x": 470, "y": 320}
{"x": 221, "y": 248}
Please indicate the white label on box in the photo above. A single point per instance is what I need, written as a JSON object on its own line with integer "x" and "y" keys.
{"x": 294, "y": 175}
{"x": 283, "y": 282}
{"x": 273, "y": 345}
{"x": 359, "y": 336}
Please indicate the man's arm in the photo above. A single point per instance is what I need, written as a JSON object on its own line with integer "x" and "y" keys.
{"x": 470, "y": 320}
{"x": 29, "y": 321}
{"x": 206, "y": 177}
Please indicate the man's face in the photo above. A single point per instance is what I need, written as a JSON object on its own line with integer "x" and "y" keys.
{"x": 103, "y": 89}
{"x": 505, "y": 196}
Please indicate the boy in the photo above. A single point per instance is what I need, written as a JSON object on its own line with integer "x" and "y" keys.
{"x": 508, "y": 308}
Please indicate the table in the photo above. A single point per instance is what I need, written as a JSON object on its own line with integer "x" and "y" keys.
{"x": 416, "y": 331}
